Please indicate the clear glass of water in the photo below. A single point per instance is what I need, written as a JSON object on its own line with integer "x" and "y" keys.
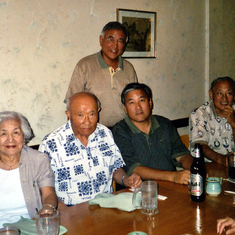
{"x": 48, "y": 222}
{"x": 149, "y": 198}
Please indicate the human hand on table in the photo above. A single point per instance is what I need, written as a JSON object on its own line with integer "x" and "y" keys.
{"x": 133, "y": 181}
{"x": 181, "y": 177}
{"x": 222, "y": 223}
{"x": 46, "y": 209}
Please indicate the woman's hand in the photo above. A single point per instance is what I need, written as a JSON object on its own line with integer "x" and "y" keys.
{"x": 226, "y": 222}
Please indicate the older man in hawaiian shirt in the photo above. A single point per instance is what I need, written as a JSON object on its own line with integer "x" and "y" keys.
{"x": 213, "y": 124}
{"x": 84, "y": 157}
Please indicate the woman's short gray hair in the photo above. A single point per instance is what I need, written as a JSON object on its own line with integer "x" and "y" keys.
{"x": 25, "y": 126}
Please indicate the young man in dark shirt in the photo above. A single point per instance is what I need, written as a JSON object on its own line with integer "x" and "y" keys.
{"x": 150, "y": 144}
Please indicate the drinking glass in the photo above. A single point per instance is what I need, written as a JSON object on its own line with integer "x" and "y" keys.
{"x": 9, "y": 231}
{"x": 149, "y": 198}
{"x": 48, "y": 222}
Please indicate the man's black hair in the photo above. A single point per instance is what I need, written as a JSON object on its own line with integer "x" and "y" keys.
{"x": 136, "y": 86}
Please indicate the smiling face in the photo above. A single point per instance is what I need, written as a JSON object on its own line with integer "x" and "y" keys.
{"x": 11, "y": 138}
{"x": 137, "y": 106}
{"x": 112, "y": 44}
{"x": 83, "y": 113}
{"x": 222, "y": 95}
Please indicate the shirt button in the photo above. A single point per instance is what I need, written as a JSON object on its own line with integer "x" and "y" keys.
{"x": 27, "y": 200}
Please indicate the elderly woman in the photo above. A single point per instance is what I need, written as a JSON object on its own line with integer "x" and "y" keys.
{"x": 26, "y": 178}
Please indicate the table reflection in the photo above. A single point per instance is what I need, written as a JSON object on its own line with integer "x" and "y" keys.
{"x": 145, "y": 223}
{"x": 198, "y": 220}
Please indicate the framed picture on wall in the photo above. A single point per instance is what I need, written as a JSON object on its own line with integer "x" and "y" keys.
{"x": 141, "y": 26}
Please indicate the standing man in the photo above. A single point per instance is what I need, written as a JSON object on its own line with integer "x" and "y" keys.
{"x": 213, "y": 124}
{"x": 150, "y": 145}
{"x": 83, "y": 155}
{"x": 105, "y": 73}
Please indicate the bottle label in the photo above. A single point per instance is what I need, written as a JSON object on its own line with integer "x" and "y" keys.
{"x": 196, "y": 153}
{"x": 196, "y": 185}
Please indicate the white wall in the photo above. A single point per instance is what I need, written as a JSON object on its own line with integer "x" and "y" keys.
{"x": 222, "y": 38}
{"x": 41, "y": 41}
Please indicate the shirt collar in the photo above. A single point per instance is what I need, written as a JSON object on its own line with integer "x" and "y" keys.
{"x": 134, "y": 129}
{"x": 104, "y": 65}
{"x": 70, "y": 129}
{"x": 212, "y": 105}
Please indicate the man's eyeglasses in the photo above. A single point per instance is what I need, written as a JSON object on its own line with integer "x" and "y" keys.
{"x": 220, "y": 94}
{"x": 112, "y": 40}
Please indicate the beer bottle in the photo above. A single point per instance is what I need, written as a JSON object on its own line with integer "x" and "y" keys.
{"x": 198, "y": 175}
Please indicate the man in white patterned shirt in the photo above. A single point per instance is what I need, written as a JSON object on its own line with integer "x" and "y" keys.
{"x": 213, "y": 124}
{"x": 83, "y": 155}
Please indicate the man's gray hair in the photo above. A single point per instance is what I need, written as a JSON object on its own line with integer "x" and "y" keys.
{"x": 223, "y": 79}
{"x": 25, "y": 126}
{"x": 94, "y": 96}
{"x": 114, "y": 25}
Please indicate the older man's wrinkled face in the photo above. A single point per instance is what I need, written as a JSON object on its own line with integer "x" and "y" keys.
{"x": 83, "y": 113}
{"x": 11, "y": 138}
{"x": 222, "y": 95}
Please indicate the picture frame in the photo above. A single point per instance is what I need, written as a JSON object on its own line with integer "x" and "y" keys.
{"x": 141, "y": 26}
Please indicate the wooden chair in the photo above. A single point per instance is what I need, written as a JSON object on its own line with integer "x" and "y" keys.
{"x": 182, "y": 122}
{"x": 114, "y": 186}
{"x": 185, "y": 140}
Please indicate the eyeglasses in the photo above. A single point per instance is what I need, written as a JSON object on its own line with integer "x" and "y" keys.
{"x": 220, "y": 94}
{"x": 112, "y": 40}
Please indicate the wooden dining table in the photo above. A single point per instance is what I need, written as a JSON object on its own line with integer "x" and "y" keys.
{"x": 177, "y": 214}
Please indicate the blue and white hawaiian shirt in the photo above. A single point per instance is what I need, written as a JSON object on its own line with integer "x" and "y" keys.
{"x": 82, "y": 172}
{"x": 208, "y": 127}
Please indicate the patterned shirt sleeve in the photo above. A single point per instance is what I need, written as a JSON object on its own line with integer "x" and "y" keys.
{"x": 199, "y": 129}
